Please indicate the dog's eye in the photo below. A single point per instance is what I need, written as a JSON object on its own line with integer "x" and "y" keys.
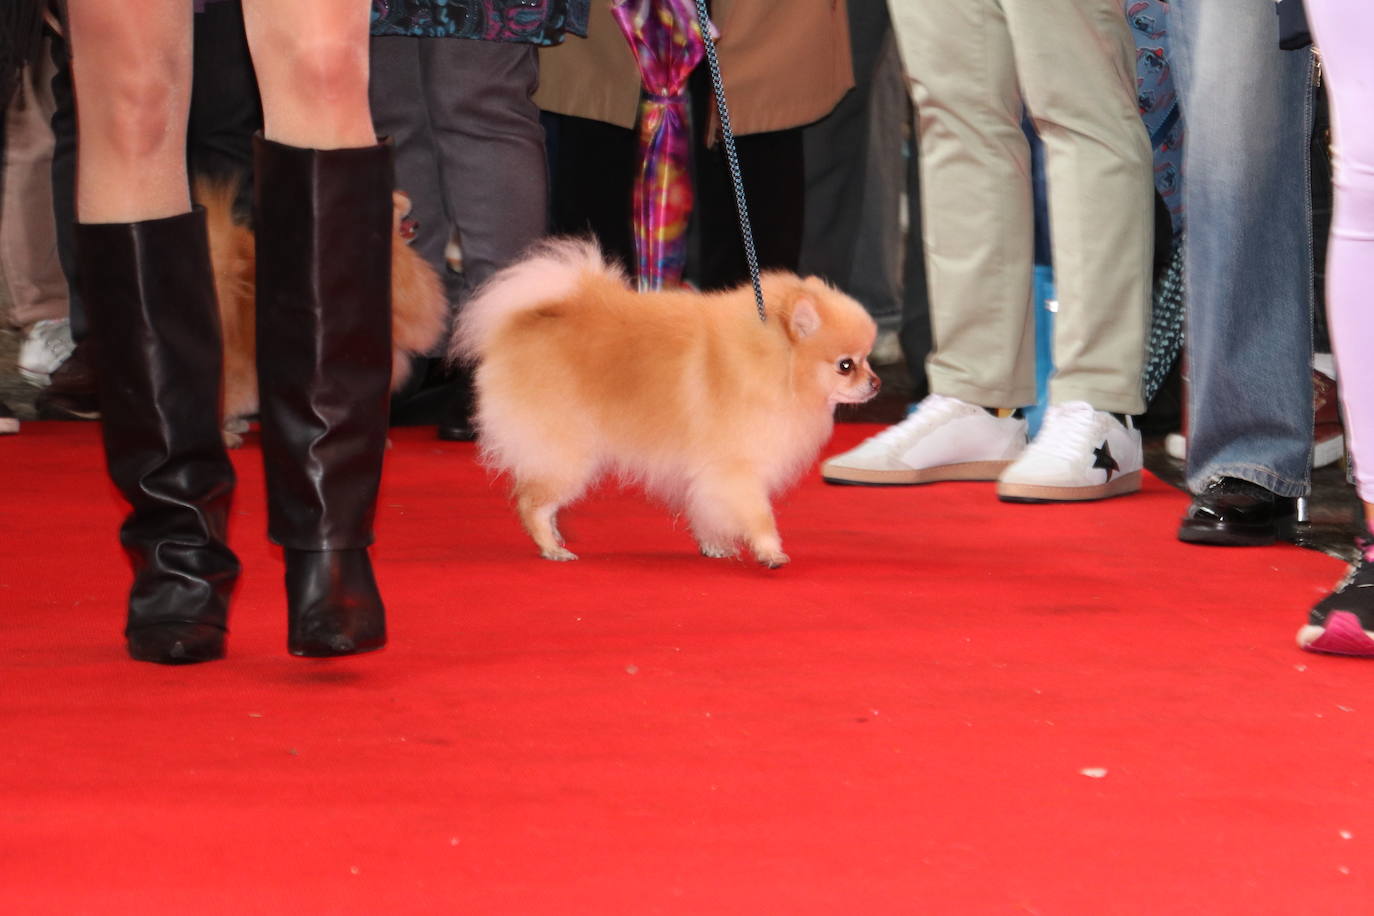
{"x": 845, "y": 366}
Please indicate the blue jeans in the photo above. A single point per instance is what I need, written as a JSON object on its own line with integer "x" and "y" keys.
{"x": 1248, "y": 244}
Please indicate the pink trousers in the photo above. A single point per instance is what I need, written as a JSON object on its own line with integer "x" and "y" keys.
{"x": 1344, "y": 30}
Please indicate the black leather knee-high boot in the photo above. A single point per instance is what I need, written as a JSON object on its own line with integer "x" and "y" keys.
{"x": 323, "y": 224}
{"x": 151, "y": 306}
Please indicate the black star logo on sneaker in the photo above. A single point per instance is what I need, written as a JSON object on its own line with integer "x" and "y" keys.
{"x": 1104, "y": 460}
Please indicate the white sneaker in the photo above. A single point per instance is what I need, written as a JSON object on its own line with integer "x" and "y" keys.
{"x": 46, "y": 345}
{"x": 944, "y": 438}
{"x": 1079, "y": 453}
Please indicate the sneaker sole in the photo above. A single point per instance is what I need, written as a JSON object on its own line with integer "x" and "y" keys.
{"x": 863, "y": 477}
{"x": 69, "y": 415}
{"x": 35, "y": 378}
{"x": 1035, "y": 493}
{"x": 8, "y": 426}
{"x": 1342, "y": 635}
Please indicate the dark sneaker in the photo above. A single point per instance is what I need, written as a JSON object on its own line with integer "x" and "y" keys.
{"x": 71, "y": 392}
{"x": 9, "y": 423}
{"x": 1342, "y": 623}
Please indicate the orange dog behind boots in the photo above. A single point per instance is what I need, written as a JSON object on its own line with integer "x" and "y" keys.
{"x": 419, "y": 306}
{"x": 687, "y": 394}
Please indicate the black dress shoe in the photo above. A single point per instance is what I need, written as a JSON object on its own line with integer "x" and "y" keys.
{"x": 1237, "y": 513}
{"x": 456, "y": 432}
{"x": 455, "y": 425}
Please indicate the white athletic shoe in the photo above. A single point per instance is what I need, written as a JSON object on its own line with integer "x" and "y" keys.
{"x": 944, "y": 438}
{"x": 1080, "y": 453}
{"x": 46, "y": 346}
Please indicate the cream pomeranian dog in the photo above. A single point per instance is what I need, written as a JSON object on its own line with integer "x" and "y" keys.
{"x": 419, "y": 306}
{"x": 687, "y": 394}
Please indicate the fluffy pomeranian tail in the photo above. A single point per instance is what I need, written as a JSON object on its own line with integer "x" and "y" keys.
{"x": 549, "y": 270}
{"x": 419, "y": 305}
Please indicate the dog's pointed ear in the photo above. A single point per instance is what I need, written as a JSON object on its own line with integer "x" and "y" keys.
{"x": 803, "y": 320}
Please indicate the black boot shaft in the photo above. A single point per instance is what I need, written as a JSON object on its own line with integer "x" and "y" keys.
{"x": 323, "y": 222}
{"x": 151, "y": 299}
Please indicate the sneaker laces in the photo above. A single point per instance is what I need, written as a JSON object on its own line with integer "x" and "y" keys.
{"x": 933, "y": 410}
{"x": 1068, "y": 431}
{"x": 1360, "y": 575}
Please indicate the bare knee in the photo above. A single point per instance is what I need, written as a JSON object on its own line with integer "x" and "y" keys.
{"x": 320, "y": 70}
{"x": 139, "y": 111}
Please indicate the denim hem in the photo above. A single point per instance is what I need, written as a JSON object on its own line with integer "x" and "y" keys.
{"x": 1254, "y": 473}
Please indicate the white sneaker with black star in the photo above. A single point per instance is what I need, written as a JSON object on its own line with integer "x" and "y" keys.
{"x": 944, "y": 438}
{"x": 1079, "y": 454}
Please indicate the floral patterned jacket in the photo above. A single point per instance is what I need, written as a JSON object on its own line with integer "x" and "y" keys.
{"x": 541, "y": 22}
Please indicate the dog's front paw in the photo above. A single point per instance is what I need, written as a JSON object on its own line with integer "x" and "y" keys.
{"x": 718, "y": 551}
{"x": 775, "y": 560}
{"x": 561, "y": 554}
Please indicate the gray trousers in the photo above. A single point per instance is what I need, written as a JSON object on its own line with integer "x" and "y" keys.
{"x": 855, "y": 177}
{"x": 973, "y": 64}
{"x": 468, "y": 144}
{"x": 28, "y": 232}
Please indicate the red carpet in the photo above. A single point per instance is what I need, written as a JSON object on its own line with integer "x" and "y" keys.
{"x": 945, "y": 705}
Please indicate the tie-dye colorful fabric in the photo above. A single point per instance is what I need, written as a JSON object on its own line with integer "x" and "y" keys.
{"x": 541, "y": 22}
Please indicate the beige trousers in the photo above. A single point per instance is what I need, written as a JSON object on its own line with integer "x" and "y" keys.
{"x": 28, "y": 235}
{"x": 972, "y": 65}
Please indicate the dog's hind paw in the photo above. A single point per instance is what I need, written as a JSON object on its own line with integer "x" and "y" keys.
{"x": 232, "y": 431}
{"x": 561, "y": 554}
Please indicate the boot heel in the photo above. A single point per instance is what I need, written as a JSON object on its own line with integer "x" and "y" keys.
{"x": 176, "y": 643}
